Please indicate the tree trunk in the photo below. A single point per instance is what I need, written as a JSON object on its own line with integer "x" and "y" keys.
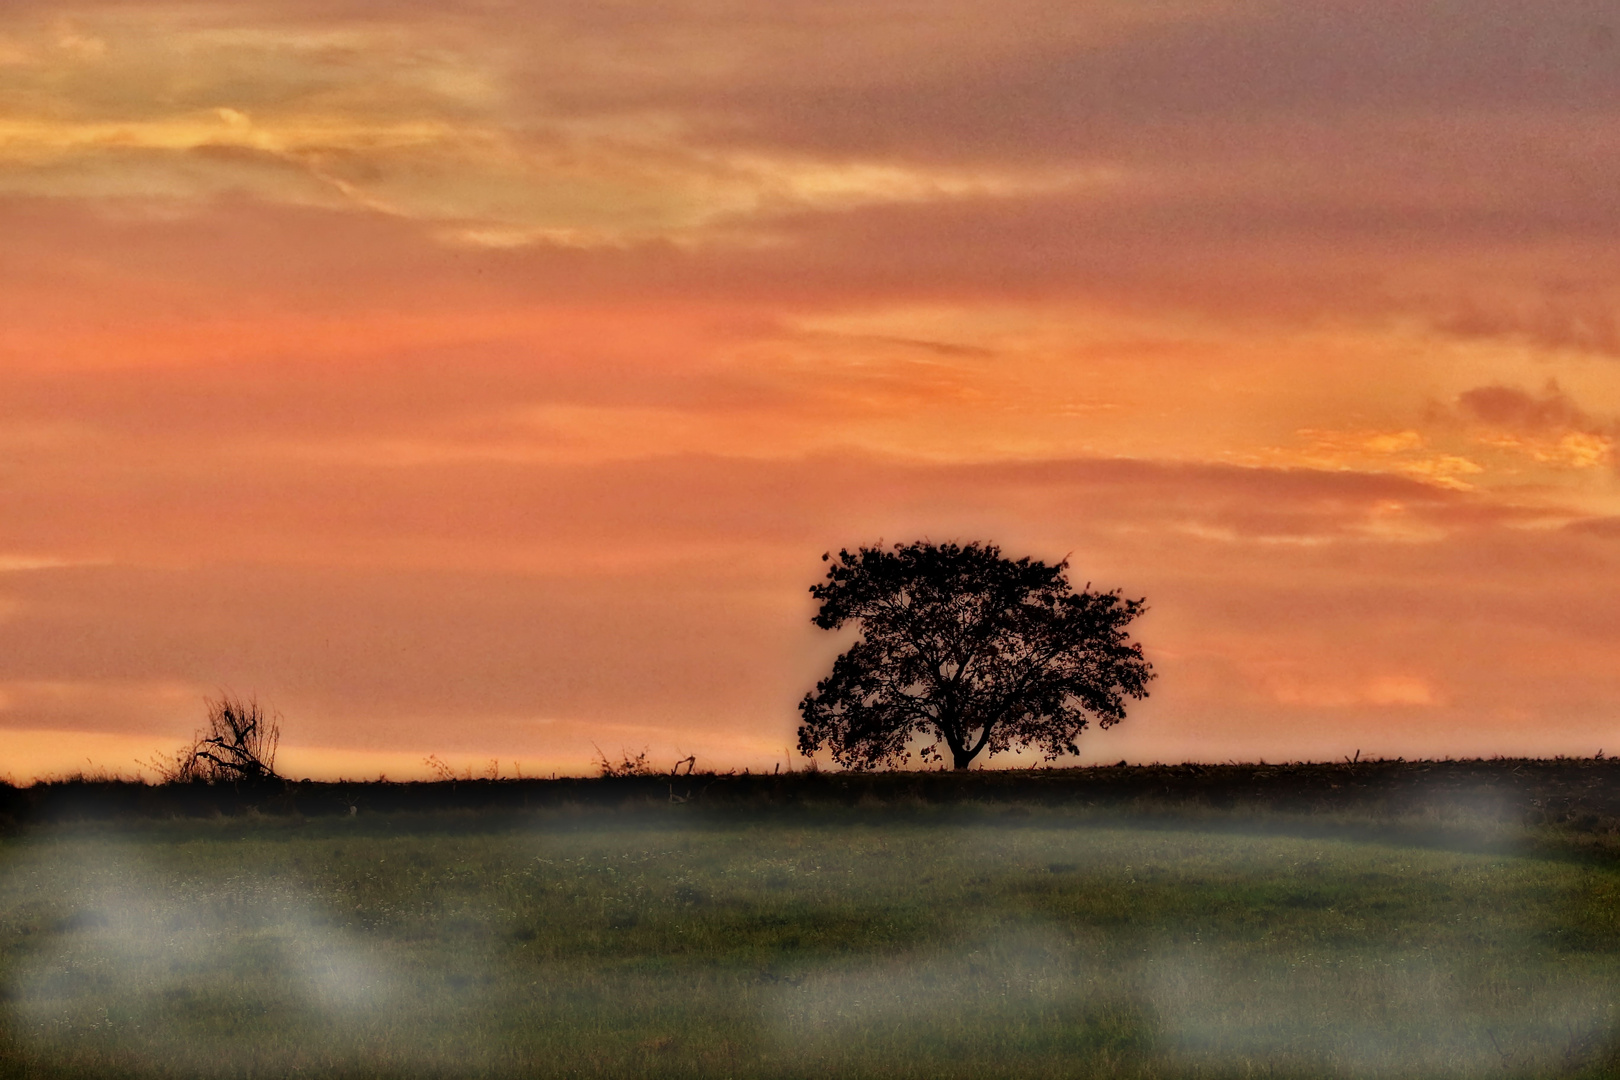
{"x": 963, "y": 758}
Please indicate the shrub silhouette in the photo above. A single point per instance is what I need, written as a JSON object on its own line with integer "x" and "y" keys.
{"x": 238, "y": 744}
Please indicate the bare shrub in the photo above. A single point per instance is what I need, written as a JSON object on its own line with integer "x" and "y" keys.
{"x": 238, "y": 744}
{"x": 626, "y": 766}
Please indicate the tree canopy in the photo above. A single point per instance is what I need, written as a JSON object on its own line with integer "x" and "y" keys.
{"x": 980, "y": 652}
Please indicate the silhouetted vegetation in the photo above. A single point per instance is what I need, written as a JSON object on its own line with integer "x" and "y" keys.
{"x": 1576, "y": 796}
{"x": 963, "y": 647}
{"x": 238, "y": 745}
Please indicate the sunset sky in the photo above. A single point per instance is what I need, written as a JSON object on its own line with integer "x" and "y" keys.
{"x": 487, "y": 379}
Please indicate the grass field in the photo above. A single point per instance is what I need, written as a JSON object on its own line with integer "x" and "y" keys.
{"x": 926, "y": 942}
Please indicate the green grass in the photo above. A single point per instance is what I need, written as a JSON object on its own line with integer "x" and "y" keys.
{"x": 920, "y": 944}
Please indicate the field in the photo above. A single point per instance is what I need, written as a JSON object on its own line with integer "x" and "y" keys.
{"x": 904, "y": 938}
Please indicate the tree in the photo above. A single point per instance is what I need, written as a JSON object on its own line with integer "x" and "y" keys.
{"x": 976, "y": 650}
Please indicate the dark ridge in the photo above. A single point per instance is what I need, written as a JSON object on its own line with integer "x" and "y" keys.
{"x": 1578, "y": 793}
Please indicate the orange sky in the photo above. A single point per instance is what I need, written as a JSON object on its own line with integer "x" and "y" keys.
{"x": 487, "y": 379}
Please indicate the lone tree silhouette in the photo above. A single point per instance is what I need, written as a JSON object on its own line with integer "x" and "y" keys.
{"x": 979, "y": 651}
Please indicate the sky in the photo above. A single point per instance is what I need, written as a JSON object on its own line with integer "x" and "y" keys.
{"x": 487, "y": 379}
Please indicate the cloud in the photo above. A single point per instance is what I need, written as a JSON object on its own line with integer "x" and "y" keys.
{"x": 1559, "y": 317}
{"x": 1506, "y": 406}
{"x": 1549, "y": 429}
{"x": 411, "y": 120}
{"x": 1400, "y": 160}
{"x": 1403, "y": 452}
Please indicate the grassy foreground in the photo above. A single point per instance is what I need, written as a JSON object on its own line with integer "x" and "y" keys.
{"x": 933, "y": 942}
